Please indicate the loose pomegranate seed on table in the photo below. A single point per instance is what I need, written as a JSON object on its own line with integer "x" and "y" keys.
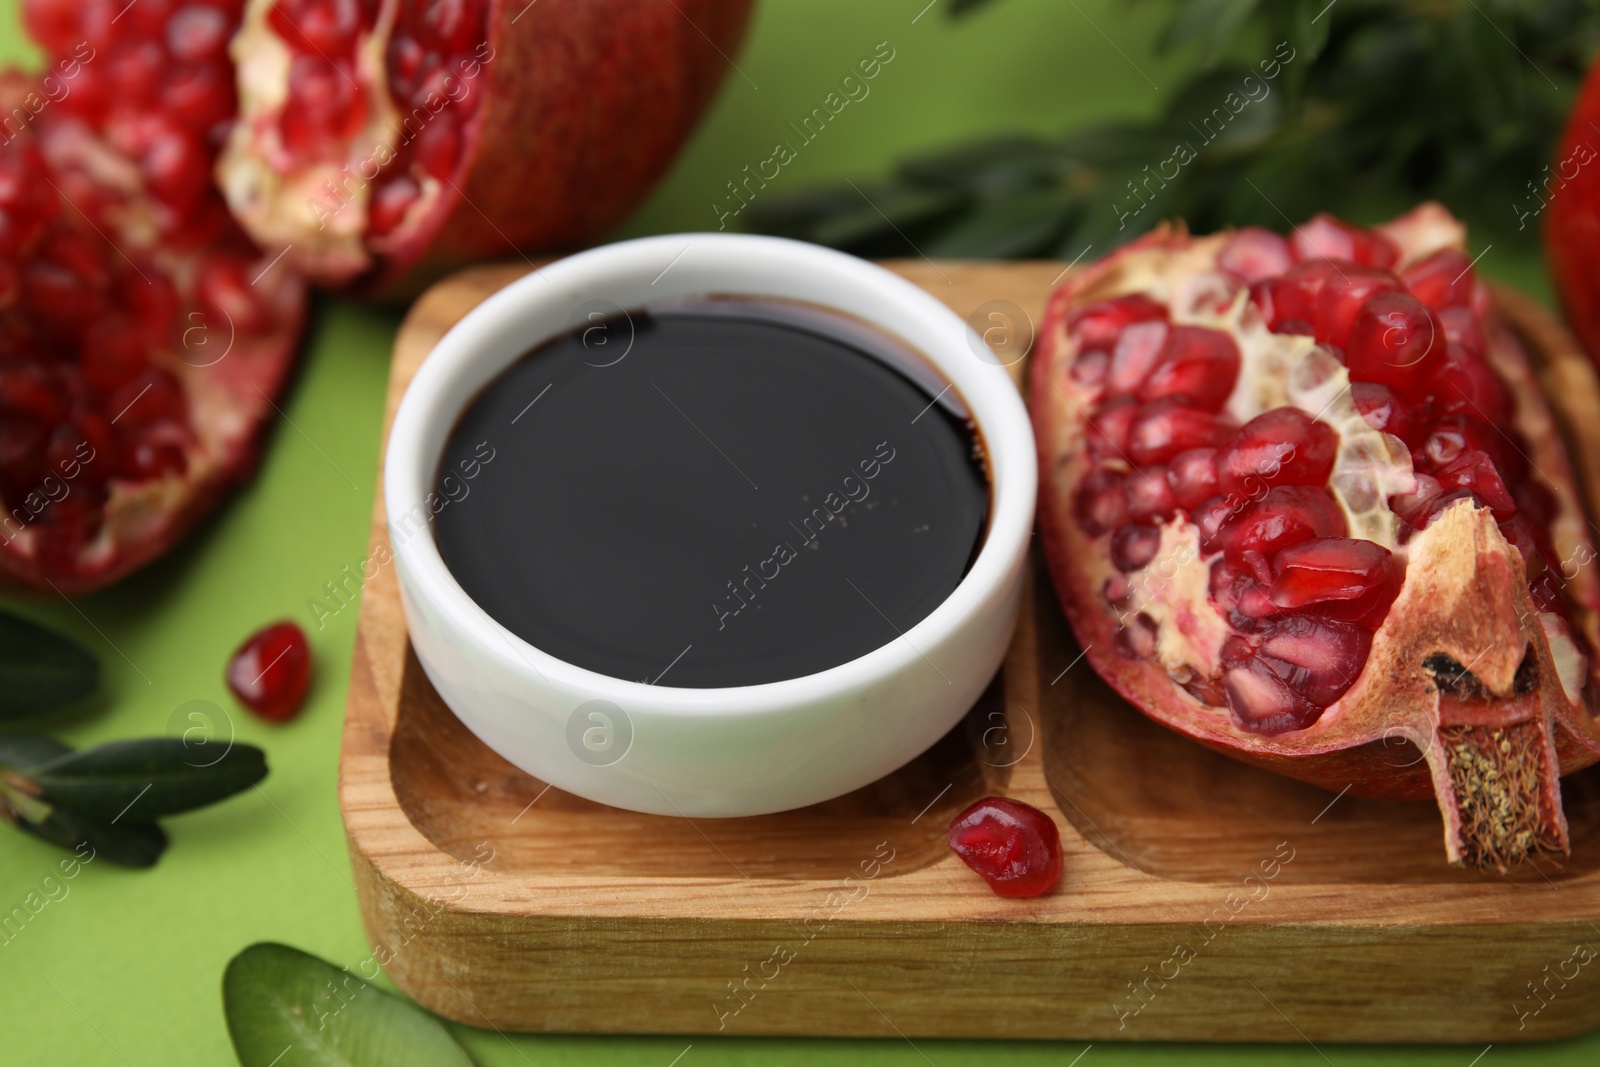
{"x": 1280, "y": 476}
{"x": 1015, "y": 847}
{"x": 271, "y": 671}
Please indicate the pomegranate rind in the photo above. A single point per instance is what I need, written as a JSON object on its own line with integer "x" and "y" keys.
{"x": 582, "y": 106}
{"x": 1381, "y": 738}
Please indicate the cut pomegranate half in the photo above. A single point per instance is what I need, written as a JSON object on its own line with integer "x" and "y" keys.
{"x": 378, "y": 137}
{"x": 142, "y": 336}
{"x": 1373, "y": 555}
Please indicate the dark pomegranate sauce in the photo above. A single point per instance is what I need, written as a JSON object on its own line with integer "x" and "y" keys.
{"x": 721, "y": 493}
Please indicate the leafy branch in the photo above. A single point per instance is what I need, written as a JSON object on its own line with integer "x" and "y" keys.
{"x": 1362, "y": 107}
{"x": 107, "y": 797}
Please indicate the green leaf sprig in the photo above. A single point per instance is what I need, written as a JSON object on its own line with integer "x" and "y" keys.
{"x": 110, "y": 796}
{"x": 1373, "y": 106}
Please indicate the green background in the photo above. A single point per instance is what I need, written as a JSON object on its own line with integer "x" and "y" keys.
{"x": 127, "y": 968}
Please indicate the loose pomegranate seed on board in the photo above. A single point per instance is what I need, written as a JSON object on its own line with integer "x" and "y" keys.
{"x": 1015, "y": 847}
{"x": 271, "y": 671}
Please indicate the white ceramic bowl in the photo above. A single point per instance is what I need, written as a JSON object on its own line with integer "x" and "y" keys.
{"x": 742, "y": 750}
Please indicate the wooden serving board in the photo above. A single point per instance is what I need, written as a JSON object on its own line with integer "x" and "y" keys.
{"x": 1202, "y": 899}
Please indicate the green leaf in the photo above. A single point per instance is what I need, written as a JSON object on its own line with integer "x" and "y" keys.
{"x": 126, "y": 843}
{"x": 289, "y": 1008}
{"x": 21, "y": 751}
{"x": 1023, "y": 226}
{"x": 1215, "y": 23}
{"x": 40, "y": 670}
{"x": 147, "y": 778}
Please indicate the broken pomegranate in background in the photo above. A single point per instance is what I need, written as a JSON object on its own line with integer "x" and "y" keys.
{"x": 142, "y": 336}
{"x": 271, "y": 671}
{"x": 1014, "y": 846}
{"x": 376, "y": 137}
{"x": 1303, "y": 502}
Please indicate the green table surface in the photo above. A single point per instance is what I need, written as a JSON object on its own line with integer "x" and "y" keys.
{"x": 126, "y": 968}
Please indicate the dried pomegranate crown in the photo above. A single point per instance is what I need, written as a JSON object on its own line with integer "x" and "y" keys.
{"x": 1305, "y": 504}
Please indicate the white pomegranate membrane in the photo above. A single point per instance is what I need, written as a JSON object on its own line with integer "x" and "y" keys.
{"x": 354, "y": 115}
{"x": 1269, "y": 422}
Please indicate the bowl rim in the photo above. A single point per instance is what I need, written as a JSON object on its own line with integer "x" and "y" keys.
{"x": 994, "y": 401}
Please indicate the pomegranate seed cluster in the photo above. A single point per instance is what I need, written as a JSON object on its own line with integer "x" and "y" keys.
{"x": 120, "y": 266}
{"x": 155, "y": 79}
{"x": 1299, "y": 592}
{"x": 432, "y": 61}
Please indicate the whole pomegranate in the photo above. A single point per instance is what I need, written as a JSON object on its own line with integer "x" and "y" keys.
{"x": 142, "y": 336}
{"x": 1306, "y": 505}
{"x": 1568, "y": 195}
{"x": 377, "y": 138}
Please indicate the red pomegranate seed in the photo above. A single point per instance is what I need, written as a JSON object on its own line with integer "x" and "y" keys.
{"x": 53, "y": 23}
{"x": 1192, "y": 476}
{"x": 1262, "y": 702}
{"x": 1100, "y": 503}
{"x": 1326, "y": 237}
{"x": 1293, "y": 297}
{"x": 1099, "y": 325}
{"x": 390, "y": 203}
{"x": 1451, "y": 435}
{"x": 1108, "y": 429}
{"x": 450, "y": 25}
{"x": 201, "y": 98}
{"x": 1284, "y": 446}
{"x": 1342, "y": 577}
{"x": 1318, "y": 657}
{"x": 271, "y": 670}
{"x": 135, "y": 71}
{"x": 198, "y": 33}
{"x": 324, "y": 107}
{"x": 1135, "y": 354}
{"x": 1014, "y": 846}
{"x": 1134, "y": 546}
{"x": 153, "y": 396}
{"x": 1149, "y": 496}
{"x": 1089, "y": 367}
{"x": 1474, "y": 470}
{"x": 1461, "y": 326}
{"x": 226, "y": 296}
{"x": 1444, "y": 279}
{"x": 176, "y": 168}
{"x": 1239, "y": 594}
{"x": 1196, "y": 363}
{"x": 325, "y": 27}
{"x": 145, "y": 457}
{"x": 1395, "y": 341}
{"x": 438, "y": 148}
{"x": 1254, "y": 254}
{"x": 1384, "y": 410}
{"x": 1285, "y": 515}
{"x": 113, "y": 353}
{"x": 1209, "y": 517}
{"x": 1341, "y": 297}
{"x": 1463, "y": 383}
{"x": 28, "y": 391}
{"x": 1161, "y": 430}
